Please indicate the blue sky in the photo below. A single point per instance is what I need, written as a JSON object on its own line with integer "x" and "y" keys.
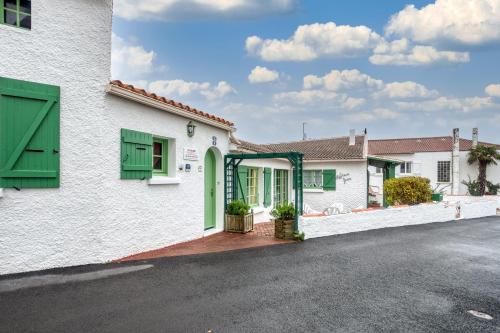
{"x": 397, "y": 68}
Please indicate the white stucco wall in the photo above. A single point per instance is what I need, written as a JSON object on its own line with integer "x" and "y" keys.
{"x": 94, "y": 216}
{"x": 68, "y": 46}
{"x": 394, "y": 217}
{"x": 140, "y": 216}
{"x": 425, "y": 165}
{"x": 351, "y": 185}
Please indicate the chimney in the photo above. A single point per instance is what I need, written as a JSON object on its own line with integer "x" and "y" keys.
{"x": 475, "y": 137}
{"x": 455, "y": 163}
{"x": 352, "y": 137}
{"x": 365, "y": 144}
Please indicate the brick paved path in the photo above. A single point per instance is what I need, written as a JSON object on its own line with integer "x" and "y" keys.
{"x": 263, "y": 235}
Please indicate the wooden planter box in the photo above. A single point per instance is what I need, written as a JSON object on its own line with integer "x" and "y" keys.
{"x": 239, "y": 223}
{"x": 283, "y": 229}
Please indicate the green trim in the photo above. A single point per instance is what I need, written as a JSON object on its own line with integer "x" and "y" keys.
{"x": 330, "y": 180}
{"x": 250, "y": 170}
{"x": 267, "y": 187}
{"x": 281, "y": 193}
{"x": 164, "y": 156}
{"x": 29, "y": 134}
{"x": 18, "y": 13}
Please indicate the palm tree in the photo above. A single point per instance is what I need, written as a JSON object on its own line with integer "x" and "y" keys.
{"x": 484, "y": 156}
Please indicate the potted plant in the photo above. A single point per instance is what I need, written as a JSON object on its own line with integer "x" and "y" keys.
{"x": 238, "y": 217}
{"x": 284, "y": 216}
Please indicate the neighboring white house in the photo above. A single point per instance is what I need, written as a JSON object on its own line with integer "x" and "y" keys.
{"x": 90, "y": 170}
{"x": 335, "y": 171}
{"x": 432, "y": 157}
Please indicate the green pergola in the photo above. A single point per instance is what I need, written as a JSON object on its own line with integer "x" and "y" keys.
{"x": 388, "y": 167}
{"x": 232, "y": 161}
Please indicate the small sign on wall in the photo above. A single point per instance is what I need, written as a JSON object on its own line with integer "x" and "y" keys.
{"x": 214, "y": 141}
{"x": 191, "y": 154}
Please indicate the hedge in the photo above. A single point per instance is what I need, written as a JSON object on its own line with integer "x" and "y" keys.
{"x": 407, "y": 191}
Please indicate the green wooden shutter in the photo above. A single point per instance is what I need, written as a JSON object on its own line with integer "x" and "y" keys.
{"x": 29, "y": 134}
{"x": 330, "y": 180}
{"x": 241, "y": 183}
{"x": 267, "y": 187}
{"x": 136, "y": 155}
{"x": 294, "y": 175}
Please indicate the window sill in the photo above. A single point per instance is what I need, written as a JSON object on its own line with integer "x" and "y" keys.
{"x": 161, "y": 180}
{"x": 314, "y": 190}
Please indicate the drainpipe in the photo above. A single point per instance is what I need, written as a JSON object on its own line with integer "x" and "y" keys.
{"x": 455, "y": 162}
{"x": 475, "y": 137}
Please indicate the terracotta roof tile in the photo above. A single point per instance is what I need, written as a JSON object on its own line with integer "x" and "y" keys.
{"x": 414, "y": 145}
{"x": 322, "y": 149}
{"x": 162, "y": 99}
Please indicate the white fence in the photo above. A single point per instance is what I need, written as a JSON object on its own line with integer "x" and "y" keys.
{"x": 452, "y": 208}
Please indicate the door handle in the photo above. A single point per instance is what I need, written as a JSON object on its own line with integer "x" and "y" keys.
{"x": 212, "y": 192}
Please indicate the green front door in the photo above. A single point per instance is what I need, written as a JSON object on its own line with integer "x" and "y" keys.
{"x": 209, "y": 190}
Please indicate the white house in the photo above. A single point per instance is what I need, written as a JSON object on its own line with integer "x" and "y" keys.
{"x": 443, "y": 160}
{"x": 93, "y": 170}
{"x": 335, "y": 171}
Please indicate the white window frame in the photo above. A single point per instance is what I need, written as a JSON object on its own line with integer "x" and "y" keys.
{"x": 406, "y": 165}
{"x": 315, "y": 182}
{"x": 441, "y": 164}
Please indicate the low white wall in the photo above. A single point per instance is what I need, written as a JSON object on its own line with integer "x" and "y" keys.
{"x": 394, "y": 217}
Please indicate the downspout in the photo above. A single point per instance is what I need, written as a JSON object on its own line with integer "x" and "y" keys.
{"x": 455, "y": 161}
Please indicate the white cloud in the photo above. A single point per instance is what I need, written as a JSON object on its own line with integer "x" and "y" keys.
{"x": 376, "y": 114}
{"x": 493, "y": 90}
{"x": 399, "y": 52}
{"x": 185, "y": 88}
{"x": 443, "y": 103}
{"x": 469, "y": 22}
{"x": 342, "y": 80}
{"x": 130, "y": 61}
{"x": 386, "y": 113}
{"x": 313, "y": 41}
{"x": 407, "y": 89}
{"x": 174, "y": 10}
{"x": 262, "y": 75}
{"x": 353, "y": 103}
{"x": 308, "y": 96}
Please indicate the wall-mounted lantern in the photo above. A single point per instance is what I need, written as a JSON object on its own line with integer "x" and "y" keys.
{"x": 190, "y": 129}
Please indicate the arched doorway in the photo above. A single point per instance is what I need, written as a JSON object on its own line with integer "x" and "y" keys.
{"x": 210, "y": 189}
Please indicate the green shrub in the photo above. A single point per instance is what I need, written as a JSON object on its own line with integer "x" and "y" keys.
{"x": 492, "y": 188}
{"x": 407, "y": 191}
{"x": 284, "y": 212}
{"x": 472, "y": 187}
{"x": 238, "y": 207}
{"x": 299, "y": 236}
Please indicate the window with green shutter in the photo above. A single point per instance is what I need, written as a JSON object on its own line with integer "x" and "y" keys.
{"x": 160, "y": 156}
{"x": 136, "y": 154}
{"x": 16, "y": 13}
{"x": 280, "y": 187}
{"x": 29, "y": 134}
{"x": 329, "y": 180}
{"x": 241, "y": 183}
{"x": 267, "y": 187}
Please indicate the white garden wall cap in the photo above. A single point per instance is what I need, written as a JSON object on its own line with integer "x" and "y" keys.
{"x": 117, "y": 87}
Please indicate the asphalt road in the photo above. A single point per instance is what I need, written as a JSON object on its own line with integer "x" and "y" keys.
{"x": 409, "y": 279}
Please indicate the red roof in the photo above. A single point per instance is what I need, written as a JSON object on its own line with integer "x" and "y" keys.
{"x": 317, "y": 149}
{"x": 415, "y": 145}
{"x": 164, "y": 100}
